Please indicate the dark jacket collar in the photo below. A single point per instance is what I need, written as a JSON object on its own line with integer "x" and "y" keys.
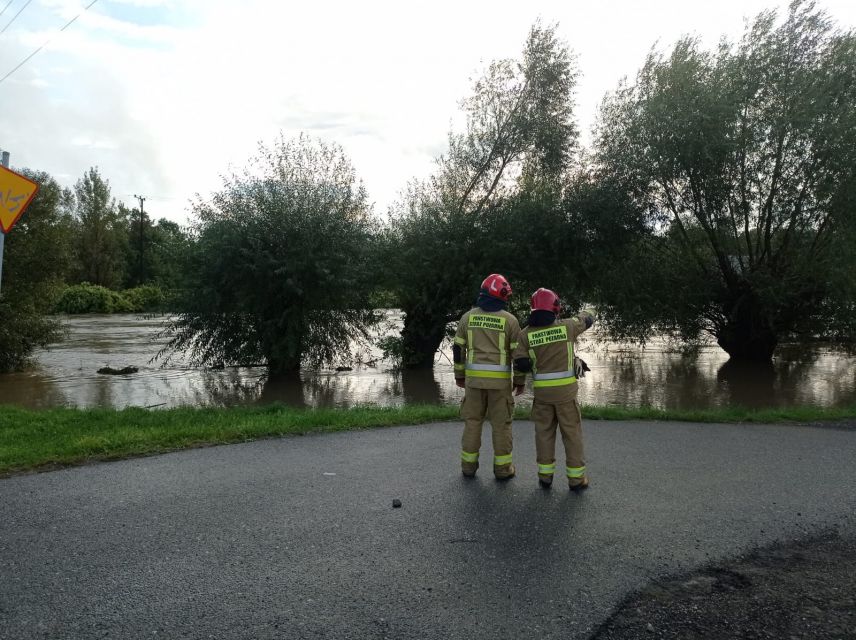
{"x": 489, "y": 303}
{"x": 541, "y": 318}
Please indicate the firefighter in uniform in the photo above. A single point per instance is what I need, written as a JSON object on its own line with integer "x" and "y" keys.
{"x": 483, "y": 348}
{"x": 546, "y": 349}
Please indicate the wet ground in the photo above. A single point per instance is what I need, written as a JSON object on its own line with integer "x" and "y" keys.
{"x": 298, "y": 538}
{"x": 658, "y": 375}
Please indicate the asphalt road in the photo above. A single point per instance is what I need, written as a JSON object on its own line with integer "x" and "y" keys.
{"x": 262, "y": 540}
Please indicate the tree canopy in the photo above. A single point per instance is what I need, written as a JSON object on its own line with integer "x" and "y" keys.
{"x": 451, "y": 230}
{"x": 744, "y": 161}
{"x": 102, "y": 231}
{"x": 283, "y": 263}
{"x": 36, "y": 261}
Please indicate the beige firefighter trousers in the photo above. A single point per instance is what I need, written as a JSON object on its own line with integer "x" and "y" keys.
{"x": 497, "y": 406}
{"x": 566, "y": 415}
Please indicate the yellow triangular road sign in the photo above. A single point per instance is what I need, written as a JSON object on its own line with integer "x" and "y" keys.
{"x": 16, "y": 193}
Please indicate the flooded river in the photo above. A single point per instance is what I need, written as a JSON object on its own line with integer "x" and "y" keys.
{"x": 65, "y": 375}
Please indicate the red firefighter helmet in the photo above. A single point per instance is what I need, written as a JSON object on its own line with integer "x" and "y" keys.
{"x": 496, "y": 286}
{"x": 545, "y": 300}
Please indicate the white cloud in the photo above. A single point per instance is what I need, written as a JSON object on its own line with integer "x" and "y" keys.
{"x": 165, "y": 107}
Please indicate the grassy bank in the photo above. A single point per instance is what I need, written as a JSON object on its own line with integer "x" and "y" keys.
{"x": 725, "y": 414}
{"x": 55, "y": 437}
{"x": 58, "y": 437}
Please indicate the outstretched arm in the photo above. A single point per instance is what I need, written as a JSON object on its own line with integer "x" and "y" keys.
{"x": 582, "y": 322}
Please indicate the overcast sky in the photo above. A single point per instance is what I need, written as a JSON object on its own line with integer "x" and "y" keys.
{"x": 165, "y": 95}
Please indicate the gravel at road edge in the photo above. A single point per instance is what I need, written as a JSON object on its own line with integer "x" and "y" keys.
{"x": 790, "y": 591}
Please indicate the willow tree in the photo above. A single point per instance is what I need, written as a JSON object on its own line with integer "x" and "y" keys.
{"x": 283, "y": 263}
{"x": 744, "y": 160}
{"x": 519, "y": 131}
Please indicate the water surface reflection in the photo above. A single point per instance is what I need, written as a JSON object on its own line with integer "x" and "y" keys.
{"x": 65, "y": 375}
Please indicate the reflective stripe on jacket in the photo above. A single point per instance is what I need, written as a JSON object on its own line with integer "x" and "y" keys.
{"x": 550, "y": 351}
{"x": 554, "y": 343}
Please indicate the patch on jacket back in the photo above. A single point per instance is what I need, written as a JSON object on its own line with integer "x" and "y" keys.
{"x": 548, "y": 336}
{"x": 493, "y": 323}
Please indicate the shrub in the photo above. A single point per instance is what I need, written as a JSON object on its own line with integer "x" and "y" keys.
{"x": 146, "y": 298}
{"x": 91, "y": 298}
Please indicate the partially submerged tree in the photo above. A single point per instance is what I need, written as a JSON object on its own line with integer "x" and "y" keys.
{"x": 744, "y": 160}
{"x": 283, "y": 263}
{"x": 444, "y": 233}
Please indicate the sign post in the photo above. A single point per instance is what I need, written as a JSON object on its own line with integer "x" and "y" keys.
{"x": 4, "y": 162}
{"x": 16, "y": 193}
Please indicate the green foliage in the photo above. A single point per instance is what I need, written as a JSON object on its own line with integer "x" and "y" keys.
{"x": 92, "y": 298}
{"x": 23, "y": 328}
{"x": 744, "y": 162}
{"x": 773, "y": 415}
{"x": 170, "y": 252}
{"x": 38, "y": 249}
{"x": 34, "y": 439}
{"x": 147, "y": 298}
{"x": 284, "y": 263}
{"x": 393, "y": 350}
{"x": 101, "y": 236}
{"x": 383, "y": 299}
{"x": 164, "y": 247}
{"x": 450, "y": 231}
{"x": 37, "y": 257}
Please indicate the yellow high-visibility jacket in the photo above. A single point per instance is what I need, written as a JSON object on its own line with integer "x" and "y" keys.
{"x": 550, "y": 351}
{"x": 486, "y": 340}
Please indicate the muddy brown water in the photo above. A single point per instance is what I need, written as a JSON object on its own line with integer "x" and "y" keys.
{"x": 657, "y": 375}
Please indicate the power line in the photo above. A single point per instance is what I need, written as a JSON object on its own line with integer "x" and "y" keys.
{"x": 15, "y": 17}
{"x": 8, "y": 4}
{"x": 157, "y": 197}
{"x": 49, "y": 40}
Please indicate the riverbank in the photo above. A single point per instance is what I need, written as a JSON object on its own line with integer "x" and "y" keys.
{"x": 33, "y": 440}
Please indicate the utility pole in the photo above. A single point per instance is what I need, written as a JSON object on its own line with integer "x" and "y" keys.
{"x": 4, "y": 160}
{"x": 142, "y": 199}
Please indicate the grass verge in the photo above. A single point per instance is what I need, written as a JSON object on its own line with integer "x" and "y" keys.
{"x": 724, "y": 414}
{"x": 51, "y": 438}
